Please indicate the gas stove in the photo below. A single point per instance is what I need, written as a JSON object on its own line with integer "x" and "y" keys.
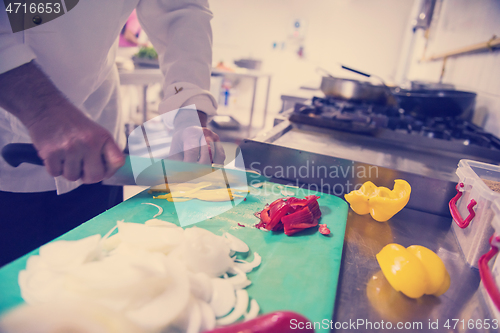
{"x": 392, "y": 123}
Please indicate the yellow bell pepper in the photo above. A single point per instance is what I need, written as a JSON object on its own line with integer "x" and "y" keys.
{"x": 380, "y": 202}
{"x": 438, "y": 278}
{"x": 414, "y": 271}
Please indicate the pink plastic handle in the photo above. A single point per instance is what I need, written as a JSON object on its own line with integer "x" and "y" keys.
{"x": 456, "y": 214}
{"x": 485, "y": 273}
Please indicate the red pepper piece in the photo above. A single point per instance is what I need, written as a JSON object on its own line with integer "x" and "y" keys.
{"x": 301, "y": 219}
{"x": 274, "y": 322}
{"x": 323, "y": 229}
{"x": 291, "y": 214}
{"x": 264, "y": 218}
{"x": 276, "y": 212}
{"x": 241, "y": 225}
{"x": 293, "y": 230}
{"x": 312, "y": 203}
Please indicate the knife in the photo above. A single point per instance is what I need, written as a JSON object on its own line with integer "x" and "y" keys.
{"x": 144, "y": 171}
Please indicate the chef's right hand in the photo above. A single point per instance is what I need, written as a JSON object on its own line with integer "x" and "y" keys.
{"x": 72, "y": 145}
{"x": 69, "y": 143}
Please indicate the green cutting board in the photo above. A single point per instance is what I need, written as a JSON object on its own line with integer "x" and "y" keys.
{"x": 298, "y": 273}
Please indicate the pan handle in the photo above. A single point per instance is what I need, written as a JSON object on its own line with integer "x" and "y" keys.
{"x": 356, "y": 71}
{"x": 391, "y": 100}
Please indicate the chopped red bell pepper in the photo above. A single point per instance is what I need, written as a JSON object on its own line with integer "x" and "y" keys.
{"x": 290, "y": 214}
{"x": 323, "y": 229}
{"x": 277, "y": 210}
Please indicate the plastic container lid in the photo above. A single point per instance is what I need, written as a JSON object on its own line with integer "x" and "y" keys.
{"x": 469, "y": 171}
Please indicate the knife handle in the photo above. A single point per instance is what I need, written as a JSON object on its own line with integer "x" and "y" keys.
{"x": 17, "y": 153}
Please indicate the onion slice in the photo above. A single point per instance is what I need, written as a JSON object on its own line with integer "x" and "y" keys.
{"x": 254, "y": 310}
{"x": 248, "y": 266}
{"x": 223, "y": 297}
{"x": 195, "y": 317}
{"x": 235, "y": 244}
{"x": 239, "y": 308}
{"x": 239, "y": 281}
{"x": 64, "y": 255}
{"x": 207, "y": 316}
{"x": 160, "y": 210}
{"x": 160, "y": 223}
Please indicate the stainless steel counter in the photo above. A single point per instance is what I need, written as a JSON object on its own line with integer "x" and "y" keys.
{"x": 363, "y": 292}
{"x": 332, "y": 162}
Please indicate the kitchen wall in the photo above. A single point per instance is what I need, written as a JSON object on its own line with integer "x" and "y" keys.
{"x": 363, "y": 34}
{"x": 459, "y": 23}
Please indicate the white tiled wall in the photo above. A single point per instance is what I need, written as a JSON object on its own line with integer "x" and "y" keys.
{"x": 460, "y": 23}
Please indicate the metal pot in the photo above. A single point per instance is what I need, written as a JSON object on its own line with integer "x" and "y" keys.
{"x": 353, "y": 90}
{"x": 436, "y": 103}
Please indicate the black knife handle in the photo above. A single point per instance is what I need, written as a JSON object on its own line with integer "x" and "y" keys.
{"x": 17, "y": 153}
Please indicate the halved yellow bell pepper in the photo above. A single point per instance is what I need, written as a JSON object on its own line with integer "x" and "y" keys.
{"x": 380, "y": 202}
{"x": 414, "y": 271}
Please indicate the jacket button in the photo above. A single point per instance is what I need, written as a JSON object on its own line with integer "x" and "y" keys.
{"x": 37, "y": 20}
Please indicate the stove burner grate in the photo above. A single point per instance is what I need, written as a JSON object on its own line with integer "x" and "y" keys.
{"x": 366, "y": 118}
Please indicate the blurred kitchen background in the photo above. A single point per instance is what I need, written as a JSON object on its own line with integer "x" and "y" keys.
{"x": 282, "y": 43}
{"x": 287, "y": 40}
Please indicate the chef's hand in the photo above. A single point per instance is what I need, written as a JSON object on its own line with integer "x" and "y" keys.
{"x": 72, "y": 145}
{"x": 193, "y": 141}
{"x": 69, "y": 143}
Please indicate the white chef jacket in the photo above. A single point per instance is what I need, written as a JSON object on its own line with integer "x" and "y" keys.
{"x": 77, "y": 51}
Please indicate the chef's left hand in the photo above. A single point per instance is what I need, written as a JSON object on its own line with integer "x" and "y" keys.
{"x": 193, "y": 142}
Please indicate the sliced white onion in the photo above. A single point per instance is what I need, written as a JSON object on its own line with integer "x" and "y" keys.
{"x": 160, "y": 210}
{"x": 64, "y": 255}
{"x": 155, "y": 274}
{"x": 206, "y": 252}
{"x": 67, "y": 316}
{"x": 34, "y": 263}
{"x": 150, "y": 239}
{"x": 235, "y": 244}
{"x": 195, "y": 318}
{"x": 163, "y": 309}
{"x": 248, "y": 266}
{"x": 239, "y": 308}
{"x": 223, "y": 297}
{"x": 40, "y": 286}
{"x": 207, "y": 316}
{"x": 121, "y": 281}
{"x": 239, "y": 281}
{"x": 160, "y": 223}
{"x": 201, "y": 286}
{"x": 111, "y": 243}
{"x": 108, "y": 234}
{"x": 254, "y": 310}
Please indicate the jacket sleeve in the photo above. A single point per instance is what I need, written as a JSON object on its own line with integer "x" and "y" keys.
{"x": 181, "y": 33}
{"x": 13, "y": 51}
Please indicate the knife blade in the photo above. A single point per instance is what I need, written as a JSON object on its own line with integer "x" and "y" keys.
{"x": 144, "y": 171}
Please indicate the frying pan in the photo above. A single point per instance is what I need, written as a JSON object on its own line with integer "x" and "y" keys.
{"x": 421, "y": 103}
{"x": 353, "y": 90}
{"x": 436, "y": 103}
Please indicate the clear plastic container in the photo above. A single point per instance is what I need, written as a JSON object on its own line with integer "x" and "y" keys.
{"x": 471, "y": 208}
